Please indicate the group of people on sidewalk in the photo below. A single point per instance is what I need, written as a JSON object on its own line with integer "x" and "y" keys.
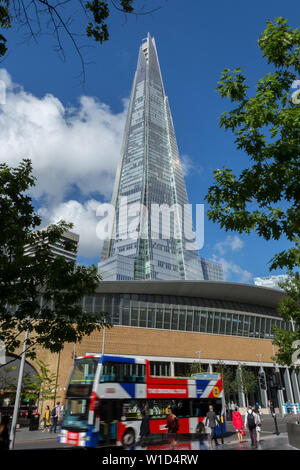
{"x": 252, "y": 422}
{"x": 212, "y": 420}
{"x": 52, "y": 418}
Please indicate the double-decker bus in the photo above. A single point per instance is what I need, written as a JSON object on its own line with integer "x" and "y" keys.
{"x": 106, "y": 395}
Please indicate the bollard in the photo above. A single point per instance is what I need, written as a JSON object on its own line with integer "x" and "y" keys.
{"x": 276, "y": 425}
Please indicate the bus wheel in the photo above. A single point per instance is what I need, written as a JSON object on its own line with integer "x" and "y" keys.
{"x": 128, "y": 438}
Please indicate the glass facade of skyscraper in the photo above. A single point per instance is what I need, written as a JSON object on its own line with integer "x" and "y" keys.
{"x": 152, "y": 223}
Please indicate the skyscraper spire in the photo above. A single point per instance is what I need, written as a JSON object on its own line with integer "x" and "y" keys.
{"x": 147, "y": 239}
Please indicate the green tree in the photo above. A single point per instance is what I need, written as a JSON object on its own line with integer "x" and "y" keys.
{"x": 41, "y": 386}
{"x": 228, "y": 378}
{"x": 195, "y": 367}
{"x": 265, "y": 197}
{"x": 289, "y": 309}
{"x": 246, "y": 379}
{"x": 7, "y": 380}
{"x": 57, "y": 19}
{"x": 59, "y": 318}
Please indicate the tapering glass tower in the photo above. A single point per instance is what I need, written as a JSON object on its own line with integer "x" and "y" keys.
{"x": 148, "y": 239}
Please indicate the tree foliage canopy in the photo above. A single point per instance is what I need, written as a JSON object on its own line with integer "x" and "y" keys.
{"x": 40, "y": 17}
{"x": 58, "y": 318}
{"x": 41, "y": 386}
{"x": 289, "y": 309}
{"x": 265, "y": 197}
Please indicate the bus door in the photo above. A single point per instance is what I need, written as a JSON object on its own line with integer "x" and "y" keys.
{"x": 108, "y": 420}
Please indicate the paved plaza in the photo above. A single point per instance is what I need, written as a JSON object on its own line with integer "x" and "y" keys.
{"x": 26, "y": 439}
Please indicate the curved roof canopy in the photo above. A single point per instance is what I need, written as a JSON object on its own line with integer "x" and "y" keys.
{"x": 230, "y": 291}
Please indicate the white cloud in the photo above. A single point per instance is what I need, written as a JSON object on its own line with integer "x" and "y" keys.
{"x": 189, "y": 166}
{"x": 70, "y": 147}
{"x": 84, "y": 218}
{"x": 232, "y": 243}
{"x": 234, "y": 272}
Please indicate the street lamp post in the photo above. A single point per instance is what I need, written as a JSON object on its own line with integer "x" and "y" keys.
{"x": 199, "y": 353}
{"x": 18, "y": 395}
{"x": 103, "y": 339}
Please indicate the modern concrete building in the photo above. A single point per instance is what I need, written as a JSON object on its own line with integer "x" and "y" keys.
{"x": 58, "y": 248}
{"x": 176, "y": 324}
{"x": 152, "y": 235}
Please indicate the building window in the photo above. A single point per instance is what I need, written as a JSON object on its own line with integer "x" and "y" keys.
{"x": 167, "y": 319}
{"x": 189, "y": 320}
{"x": 240, "y": 331}
{"x": 159, "y": 318}
{"x": 235, "y": 320}
{"x": 182, "y": 319}
{"x": 126, "y": 319}
{"x": 160, "y": 369}
{"x": 223, "y": 323}
{"x": 210, "y": 322}
{"x": 203, "y": 322}
{"x": 175, "y": 317}
{"x": 134, "y": 317}
{"x": 151, "y": 318}
{"x": 143, "y": 317}
{"x": 216, "y": 326}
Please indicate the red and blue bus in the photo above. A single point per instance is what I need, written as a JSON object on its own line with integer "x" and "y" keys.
{"x": 106, "y": 395}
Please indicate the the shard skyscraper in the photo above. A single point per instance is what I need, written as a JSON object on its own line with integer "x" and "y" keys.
{"x": 148, "y": 232}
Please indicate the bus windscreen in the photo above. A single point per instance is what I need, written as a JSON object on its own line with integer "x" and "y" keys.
{"x": 84, "y": 371}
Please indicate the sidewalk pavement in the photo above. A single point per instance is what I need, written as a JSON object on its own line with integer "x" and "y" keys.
{"x": 24, "y": 435}
{"x": 269, "y": 439}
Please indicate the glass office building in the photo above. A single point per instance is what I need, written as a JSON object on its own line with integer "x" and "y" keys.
{"x": 152, "y": 236}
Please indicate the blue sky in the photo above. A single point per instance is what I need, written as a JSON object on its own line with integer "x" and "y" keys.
{"x": 73, "y": 134}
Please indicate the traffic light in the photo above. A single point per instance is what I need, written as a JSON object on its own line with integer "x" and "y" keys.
{"x": 262, "y": 381}
{"x": 278, "y": 382}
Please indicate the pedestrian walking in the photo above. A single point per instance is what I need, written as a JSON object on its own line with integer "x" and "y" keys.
{"x": 212, "y": 420}
{"x": 4, "y": 434}
{"x": 258, "y": 427}
{"x": 145, "y": 428}
{"x": 289, "y": 407}
{"x": 55, "y": 416}
{"x": 237, "y": 422}
{"x": 257, "y": 409}
{"x": 251, "y": 422}
{"x": 172, "y": 426}
{"x": 232, "y": 408}
{"x": 61, "y": 413}
{"x": 46, "y": 419}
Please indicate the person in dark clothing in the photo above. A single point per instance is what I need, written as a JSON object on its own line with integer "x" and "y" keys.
{"x": 172, "y": 425}
{"x": 4, "y": 434}
{"x": 212, "y": 420}
{"x": 145, "y": 427}
{"x": 251, "y": 420}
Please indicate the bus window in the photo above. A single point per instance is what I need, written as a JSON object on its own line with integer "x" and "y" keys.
{"x": 131, "y": 409}
{"x": 84, "y": 371}
{"x": 123, "y": 372}
{"x": 200, "y": 406}
{"x": 158, "y": 408}
{"x": 183, "y": 408}
{"x": 76, "y": 414}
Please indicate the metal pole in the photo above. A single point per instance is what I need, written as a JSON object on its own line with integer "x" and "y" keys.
{"x": 276, "y": 427}
{"x": 199, "y": 352}
{"x": 18, "y": 395}
{"x": 103, "y": 340}
{"x": 56, "y": 380}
